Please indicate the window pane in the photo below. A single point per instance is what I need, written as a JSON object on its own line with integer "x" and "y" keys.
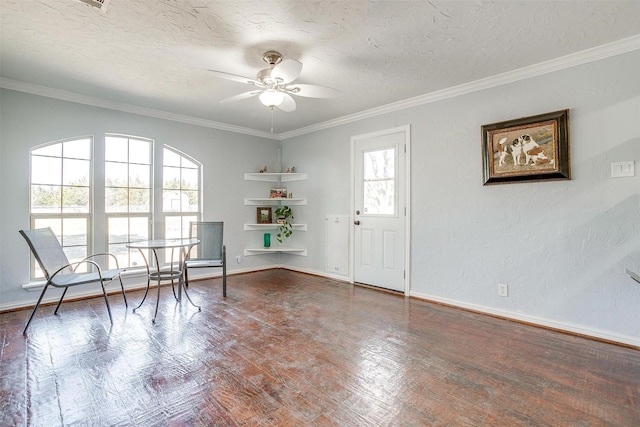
{"x": 75, "y": 231}
{"x": 46, "y": 170}
{"x": 379, "y": 164}
{"x": 171, "y": 177}
{"x": 75, "y": 199}
{"x": 139, "y": 200}
{"x": 78, "y": 149}
{"x": 125, "y": 229}
{"x": 76, "y": 172}
{"x": 170, "y": 158}
{"x": 115, "y": 174}
{"x": 171, "y": 200}
{"x": 379, "y": 197}
{"x": 186, "y": 224}
{"x": 121, "y": 252}
{"x": 116, "y": 149}
{"x": 190, "y": 179}
{"x": 46, "y": 199}
{"x": 139, "y": 176}
{"x": 172, "y": 227}
{"x": 192, "y": 201}
{"x": 139, "y": 228}
{"x": 54, "y": 150}
{"x": 54, "y": 223}
{"x": 136, "y": 259}
{"x": 379, "y": 192}
{"x": 118, "y": 229}
{"x": 116, "y": 199}
{"x": 186, "y": 163}
{"x": 139, "y": 151}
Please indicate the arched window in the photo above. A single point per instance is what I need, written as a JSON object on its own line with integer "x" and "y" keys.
{"x": 61, "y": 191}
{"x": 181, "y": 177}
{"x": 62, "y": 195}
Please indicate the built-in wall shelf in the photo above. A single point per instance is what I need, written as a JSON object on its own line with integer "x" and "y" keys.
{"x": 283, "y": 249}
{"x": 257, "y": 201}
{"x": 250, "y": 227}
{"x": 275, "y": 177}
{"x": 277, "y": 180}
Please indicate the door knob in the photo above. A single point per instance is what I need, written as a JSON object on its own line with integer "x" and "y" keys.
{"x": 356, "y": 222}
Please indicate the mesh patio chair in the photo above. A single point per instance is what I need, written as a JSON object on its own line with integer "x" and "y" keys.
{"x": 210, "y": 253}
{"x": 60, "y": 273}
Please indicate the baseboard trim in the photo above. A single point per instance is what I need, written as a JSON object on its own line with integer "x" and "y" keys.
{"x": 563, "y": 327}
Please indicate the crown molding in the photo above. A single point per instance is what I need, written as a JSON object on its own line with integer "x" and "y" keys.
{"x": 127, "y": 108}
{"x": 590, "y": 55}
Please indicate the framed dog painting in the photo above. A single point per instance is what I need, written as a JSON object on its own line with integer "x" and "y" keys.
{"x": 527, "y": 149}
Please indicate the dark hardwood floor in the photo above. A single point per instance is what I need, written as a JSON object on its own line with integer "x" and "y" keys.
{"x": 286, "y": 348}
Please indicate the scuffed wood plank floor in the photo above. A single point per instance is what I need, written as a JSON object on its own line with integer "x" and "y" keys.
{"x": 286, "y": 348}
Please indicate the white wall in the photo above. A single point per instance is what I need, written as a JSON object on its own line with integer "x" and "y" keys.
{"x": 29, "y": 120}
{"x": 562, "y": 246}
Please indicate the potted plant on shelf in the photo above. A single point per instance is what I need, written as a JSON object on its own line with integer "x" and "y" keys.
{"x": 284, "y": 216}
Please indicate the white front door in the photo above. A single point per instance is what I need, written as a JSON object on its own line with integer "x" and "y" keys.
{"x": 380, "y": 209}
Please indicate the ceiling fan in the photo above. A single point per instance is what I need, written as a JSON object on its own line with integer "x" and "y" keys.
{"x": 274, "y": 85}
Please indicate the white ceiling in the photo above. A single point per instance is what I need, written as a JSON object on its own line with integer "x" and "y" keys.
{"x": 154, "y": 54}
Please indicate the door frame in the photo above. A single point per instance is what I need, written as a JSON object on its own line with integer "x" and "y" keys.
{"x": 407, "y": 218}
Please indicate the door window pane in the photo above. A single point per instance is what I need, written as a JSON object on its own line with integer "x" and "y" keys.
{"x": 379, "y": 181}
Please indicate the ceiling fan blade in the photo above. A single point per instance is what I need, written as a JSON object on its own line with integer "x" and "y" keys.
{"x": 235, "y": 77}
{"x": 288, "y": 70}
{"x": 241, "y": 96}
{"x": 288, "y": 103}
{"x": 313, "y": 91}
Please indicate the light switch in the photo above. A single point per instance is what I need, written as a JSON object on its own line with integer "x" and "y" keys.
{"x": 622, "y": 169}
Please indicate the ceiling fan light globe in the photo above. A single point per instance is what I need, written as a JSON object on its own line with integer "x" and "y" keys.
{"x": 271, "y": 98}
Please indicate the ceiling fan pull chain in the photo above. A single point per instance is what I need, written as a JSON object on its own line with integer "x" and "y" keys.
{"x": 271, "y": 119}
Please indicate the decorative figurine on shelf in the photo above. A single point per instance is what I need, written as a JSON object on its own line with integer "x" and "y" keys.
{"x": 263, "y": 170}
{"x": 291, "y": 169}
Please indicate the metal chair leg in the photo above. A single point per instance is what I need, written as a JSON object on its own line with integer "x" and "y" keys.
{"x": 24, "y": 332}
{"x": 60, "y": 302}
{"x": 106, "y": 300}
{"x": 189, "y": 299}
{"x": 126, "y": 304}
{"x": 157, "y": 301}
{"x": 146, "y": 291}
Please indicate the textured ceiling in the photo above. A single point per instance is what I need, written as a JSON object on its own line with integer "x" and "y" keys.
{"x": 155, "y": 53}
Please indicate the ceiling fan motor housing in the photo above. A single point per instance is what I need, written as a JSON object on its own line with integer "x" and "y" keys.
{"x": 272, "y": 57}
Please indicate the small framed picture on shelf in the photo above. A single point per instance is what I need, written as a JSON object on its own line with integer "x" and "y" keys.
{"x": 264, "y": 215}
{"x": 278, "y": 193}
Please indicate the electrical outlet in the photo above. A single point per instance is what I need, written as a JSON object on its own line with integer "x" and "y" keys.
{"x": 239, "y": 259}
{"x": 503, "y": 290}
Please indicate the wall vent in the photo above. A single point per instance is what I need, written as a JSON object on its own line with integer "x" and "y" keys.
{"x": 100, "y": 4}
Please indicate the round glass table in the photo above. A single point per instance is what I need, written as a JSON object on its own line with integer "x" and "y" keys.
{"x": 165, "y": 271}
